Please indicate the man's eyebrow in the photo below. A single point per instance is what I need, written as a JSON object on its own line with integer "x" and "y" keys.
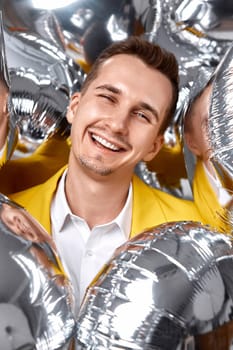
{"x": 109, "y": 87}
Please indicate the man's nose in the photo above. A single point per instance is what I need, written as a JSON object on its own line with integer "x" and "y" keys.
{"x": 119, "y": 122}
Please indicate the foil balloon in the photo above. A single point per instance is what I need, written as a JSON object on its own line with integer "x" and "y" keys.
{"x": 8, "y": 130}
{"x": 91, "y": 26}
{"x": 38, "y": 105}
{"x": 168, "y": 288}
{"x": 220, "y": 127}
{"x": 220, "y": 122}
{"x": 36, "y": 304}
{"x": 197, "y": 32}
{"x": 37, "y": 47}
{"x": 38, "y": 43}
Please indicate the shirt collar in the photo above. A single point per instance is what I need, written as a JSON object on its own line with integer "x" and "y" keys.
{"x": 124, "y": 218}
{"x": 60, "y": 210}
{"x": 221, "y": 193}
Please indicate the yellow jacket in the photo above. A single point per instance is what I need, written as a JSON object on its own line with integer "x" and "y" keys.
{"x": 206, "y": 199}
{"x": 151, "y": 207}
{"x": 21, "y": 173}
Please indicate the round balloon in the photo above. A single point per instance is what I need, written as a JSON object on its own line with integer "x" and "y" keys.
{"x": 163, "y": 289}
{"x": 36, "y": 303}
{"x": 42, "y": 76}
{"x": 8, "y": 129}
{"x": 220, "y": 125}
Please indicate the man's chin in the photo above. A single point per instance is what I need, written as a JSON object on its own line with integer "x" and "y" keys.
{"x": 95, "y": 168}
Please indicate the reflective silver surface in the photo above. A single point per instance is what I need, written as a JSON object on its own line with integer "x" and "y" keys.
{"x": 221, "y": 114}
{"x": 8, "y": 130}
{"x": 161, "y": 287}
{"x": 37, "y": 60}
{"x": 35, "y": 296}
{"x": 208, "y": 128}
{"x": 199, "y": 33}
{"x": 38, "y": 105}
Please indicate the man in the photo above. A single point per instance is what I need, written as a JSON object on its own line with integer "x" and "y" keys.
{"x": 97, "y": 203}
{"x": 208, "y": 188}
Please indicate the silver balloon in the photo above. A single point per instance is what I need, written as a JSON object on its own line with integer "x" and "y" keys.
{"x": 197, "y": 31}
{"x": 220, "y": 122}
{"x": 161, "y": 290}
{"x": 38, "y": 105}
{"x": 14, "y": 328}
{"x": 36, "y": 304}
{"x": 8, "y": 130}
{"x": 220, "y": 127}
{"x": 37, "y": 58}
{"x": 35, "y": 40}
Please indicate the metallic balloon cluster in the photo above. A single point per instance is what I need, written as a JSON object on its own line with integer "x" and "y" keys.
{"x": 152, "y": 292}
{"x": 220, "y": 127}
{"x": 36, "y": 303}
{"x": 161, "y": 290}
{"x": 199, "y": 33}
{"x": 168, "y": 287}
{"x": 221, "y": 114}
{"x": 39, "y": 78}
{"x": 8, "y": 130}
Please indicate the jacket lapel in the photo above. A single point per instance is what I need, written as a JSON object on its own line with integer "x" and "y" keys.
{"x": 37, "y": 200}
{"x": 206, "y": 199}
{"x": 147, "y": 211}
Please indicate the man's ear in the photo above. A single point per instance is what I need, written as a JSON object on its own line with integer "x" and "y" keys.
{"x": 157, "y": 145}
{"x": 191, "y": 143}
{"x": 72, "y": 108}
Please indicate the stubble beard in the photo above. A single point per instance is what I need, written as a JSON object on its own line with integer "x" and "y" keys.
{"x": 90, "y": 165}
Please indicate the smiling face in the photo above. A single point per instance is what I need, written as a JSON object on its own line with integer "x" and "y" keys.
{"x": 116, "y": 120}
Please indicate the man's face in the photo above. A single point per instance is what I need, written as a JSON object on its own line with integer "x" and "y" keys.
{"x": 196, "y": 134}
{"x": 116, "y": 121}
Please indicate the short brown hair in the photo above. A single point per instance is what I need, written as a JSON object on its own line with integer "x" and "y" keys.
{"x": 152, "y": 55}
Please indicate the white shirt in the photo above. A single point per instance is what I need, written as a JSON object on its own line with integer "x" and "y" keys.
{"x": 83, "y": 252}
{"x": 223, "y": 196}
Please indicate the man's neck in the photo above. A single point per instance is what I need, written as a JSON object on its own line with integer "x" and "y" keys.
{"x": 98, "y": 202}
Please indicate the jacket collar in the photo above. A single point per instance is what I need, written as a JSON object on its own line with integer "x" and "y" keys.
{"x": 145, "y": 207}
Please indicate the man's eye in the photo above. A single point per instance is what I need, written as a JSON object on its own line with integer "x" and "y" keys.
{"x": 143, "y": 116}
{"x": 107, "y": 97}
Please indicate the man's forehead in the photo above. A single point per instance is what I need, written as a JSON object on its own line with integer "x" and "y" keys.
{"x": 120, "y": 61}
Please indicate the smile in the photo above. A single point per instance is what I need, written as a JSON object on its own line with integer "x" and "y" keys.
{"x": 105, "y": 143}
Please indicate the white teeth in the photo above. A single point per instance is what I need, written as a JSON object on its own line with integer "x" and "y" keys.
{"x": 105, "y": 143}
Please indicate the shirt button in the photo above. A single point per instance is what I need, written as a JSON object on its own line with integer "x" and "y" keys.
{"x": 89, "y": 253}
